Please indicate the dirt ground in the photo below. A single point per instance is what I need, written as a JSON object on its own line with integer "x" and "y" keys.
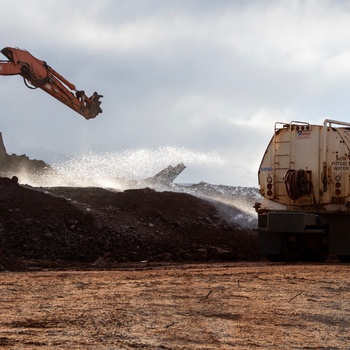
{"x": 90, "y": 268}
{"x": 186, "y": 306}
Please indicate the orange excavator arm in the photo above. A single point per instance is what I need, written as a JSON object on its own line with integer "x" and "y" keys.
{"x": 38, "y": 74}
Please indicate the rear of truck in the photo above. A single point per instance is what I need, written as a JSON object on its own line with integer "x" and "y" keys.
{"x": 304, "y": 178}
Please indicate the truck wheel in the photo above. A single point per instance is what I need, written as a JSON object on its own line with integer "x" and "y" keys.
{"x": 316, "y": 256}
{"x": 274, "y": 257}
{"x": 344, "y": 258}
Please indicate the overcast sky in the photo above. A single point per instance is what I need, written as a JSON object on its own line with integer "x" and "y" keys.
{"x": 197, "y": 81}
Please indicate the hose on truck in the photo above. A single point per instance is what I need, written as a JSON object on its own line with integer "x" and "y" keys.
{"x": 297, "y": 183}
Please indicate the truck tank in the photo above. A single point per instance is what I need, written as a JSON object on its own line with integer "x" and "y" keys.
{"x": 304, "y": 178}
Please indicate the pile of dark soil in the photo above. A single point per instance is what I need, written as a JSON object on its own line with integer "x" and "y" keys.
{"x": 68, "y": 226}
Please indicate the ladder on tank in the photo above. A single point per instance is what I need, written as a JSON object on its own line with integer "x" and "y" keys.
{"x": 281, "y": 156}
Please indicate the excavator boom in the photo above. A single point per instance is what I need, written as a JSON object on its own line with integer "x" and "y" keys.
{"x": 38, "y": 74}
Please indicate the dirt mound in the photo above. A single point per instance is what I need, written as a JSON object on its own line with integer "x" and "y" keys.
{"x": 101, "y": 227}
{"x": 14, "y": 165}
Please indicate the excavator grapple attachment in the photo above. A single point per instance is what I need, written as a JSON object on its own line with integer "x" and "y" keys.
{"x": 94, "y": 108}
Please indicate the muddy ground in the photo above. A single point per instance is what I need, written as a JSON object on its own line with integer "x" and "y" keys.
{"x": 205, "y": 306}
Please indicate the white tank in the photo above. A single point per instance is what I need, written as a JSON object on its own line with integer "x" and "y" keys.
{"x": 307, "y": 167}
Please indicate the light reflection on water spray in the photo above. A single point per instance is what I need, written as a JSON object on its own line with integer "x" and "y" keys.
{"x": 124, "y": 169}
{"x": 129, "y": 168}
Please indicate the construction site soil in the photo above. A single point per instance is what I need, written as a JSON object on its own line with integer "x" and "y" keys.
{"x": 62, "y": 227}
{"x": 90, "y": 268}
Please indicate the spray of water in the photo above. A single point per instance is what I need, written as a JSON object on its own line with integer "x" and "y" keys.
{"x": 124, "y": 169}
{"x": 129, "y": 168}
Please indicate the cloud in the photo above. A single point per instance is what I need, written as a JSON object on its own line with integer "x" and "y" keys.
{"x": 212, "y": 77}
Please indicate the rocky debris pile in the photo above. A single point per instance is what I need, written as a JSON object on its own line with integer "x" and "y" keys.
{"x": 10, "y": 263}
{"x": 102, "y": 227}
{"x": 14, "y": 165}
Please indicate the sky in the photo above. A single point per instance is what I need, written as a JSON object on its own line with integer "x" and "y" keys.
{"x": 194, "y": 81}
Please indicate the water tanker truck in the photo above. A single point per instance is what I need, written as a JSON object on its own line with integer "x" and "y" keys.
{"x": 304, "y": 178}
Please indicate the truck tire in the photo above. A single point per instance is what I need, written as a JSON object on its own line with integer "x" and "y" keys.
{"x": 344, "y": 258}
